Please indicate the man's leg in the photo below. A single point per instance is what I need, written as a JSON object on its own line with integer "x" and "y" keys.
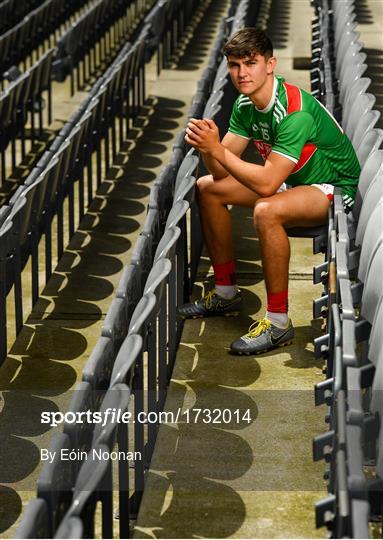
{"x": 304, "y": 206}
{"x": 213, "y": 197}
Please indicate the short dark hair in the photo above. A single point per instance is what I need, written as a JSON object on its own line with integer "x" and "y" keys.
{"x": 248, "y": 42}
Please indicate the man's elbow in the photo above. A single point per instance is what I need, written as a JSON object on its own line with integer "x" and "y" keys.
{"x": 266, "y": 191}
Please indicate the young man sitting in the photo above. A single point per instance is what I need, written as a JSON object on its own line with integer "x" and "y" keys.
{"x": 302, "y": 145}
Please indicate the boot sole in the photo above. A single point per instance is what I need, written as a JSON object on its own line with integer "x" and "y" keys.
{"x": 263, "y": 350}
{"x": 206, "y": 315}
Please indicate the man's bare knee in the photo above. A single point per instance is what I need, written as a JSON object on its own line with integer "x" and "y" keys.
{"x": 265, "y": 211}
{"x": 204, "y": 183}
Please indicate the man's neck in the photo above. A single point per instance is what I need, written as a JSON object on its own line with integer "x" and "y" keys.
{"x": 264, "y": 95}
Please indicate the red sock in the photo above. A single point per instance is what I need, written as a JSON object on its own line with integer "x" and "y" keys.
{"x": 277, "y": 302}
{"x": 224, "y": 274}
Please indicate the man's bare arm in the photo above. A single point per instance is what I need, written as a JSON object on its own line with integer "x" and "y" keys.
{"x": 263, "y": 180}
{"x": 232, "y": 142}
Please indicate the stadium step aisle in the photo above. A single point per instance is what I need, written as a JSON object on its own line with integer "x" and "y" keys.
{"x": 47, "y": 358}
{"x": 251, "y": 474}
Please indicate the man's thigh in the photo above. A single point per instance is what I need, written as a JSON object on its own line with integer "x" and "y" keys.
{"x": 228, "y": 191}
{"x": 301, "y": 206}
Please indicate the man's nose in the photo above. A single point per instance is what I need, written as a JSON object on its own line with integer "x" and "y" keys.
{"x": 242, "y": 70}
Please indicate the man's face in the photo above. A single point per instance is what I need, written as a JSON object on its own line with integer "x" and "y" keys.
{"x": 250, "y": 73}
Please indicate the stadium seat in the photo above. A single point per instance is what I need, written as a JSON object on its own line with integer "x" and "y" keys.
{"x": 70, "y": 527}
{"x": 362, "y": 104}
{"x": 80, "y": 434}
{"x": 167, "y": 245}
{"x": 359, "y": 87}
{"x": 373, "y": 285}
{"x": 99, "y": 366}
{"x": 56, "y": 481}
{"x": 128, "y": 356}
{"x": 130, "y": 287}
{"x": 370, "y": 142}
{"x": 35, "y": 522}
{"x": 93, "y": 484}
{"x": 370, "y": 169}
{"x": 366, "y": 123}
{"x": 115, "y": 323}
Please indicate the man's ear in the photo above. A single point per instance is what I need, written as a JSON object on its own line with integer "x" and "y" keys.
{"x": 271, "y": 63}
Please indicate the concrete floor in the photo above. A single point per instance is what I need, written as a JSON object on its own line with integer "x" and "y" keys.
{"x": 257, "y": 479}
{"x": 243, "y": 479}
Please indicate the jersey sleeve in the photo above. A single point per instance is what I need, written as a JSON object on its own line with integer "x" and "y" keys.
{"x": 237, "y": 124}
{"x": 293, "y": 133}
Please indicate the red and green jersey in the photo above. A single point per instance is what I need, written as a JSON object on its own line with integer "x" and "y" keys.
{"x": 299, "y": 127}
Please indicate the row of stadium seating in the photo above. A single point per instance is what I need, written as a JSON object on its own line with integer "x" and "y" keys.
{"x": 21, "y": 101}
{"x": 134, "y": 355}
{"x": 97, "y": 128}
{"x": 94, "y": 30}
{"x": 19, "y": 104}
{"x": 11, "y": 11}
{"x": 35, "y": 31}
{"x": 352, "y": 299}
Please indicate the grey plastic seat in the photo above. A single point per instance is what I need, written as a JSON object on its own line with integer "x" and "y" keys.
{"x": 35, "y": 522}
{"x": 213, "y": 104}
{"x": 188, "y": 165}
{"x": 152, "y": 228}
{"x": 142, "y": 313}
{"x": 353, "y": 50}
{"x": 142, "y": 256}
{"x": 7, "y": 241}
{"x": 344, "y": 40}
{"x": 375, "y": 342}
{"x": 161, "y": 193}
{"x": 370, "y": 142}
{"x": 130, "y": 287}
{"x": 156, "y": 279}
{"x": 167, "y": 244}
{"x": 372, "y": 167}
{"x": 99, "y": 366}
{"x": 372, "y": 199}
{"x": 56, "y": 481}
{"x": 185, "y": 189}
{"x": 128, "y": 356}
{"x": 350, "y": 76}
{"x": 176, "y": 217}
{"x": 375, "y": 354}
{"x": 353, "y": 60}
{"x": 347, "y": 20}
{"x": 115, "y": 323}
{"x": 366, "y": 123}
{"x": 80, "y": 434}
{"x": 177, "y": 213}
{"x": 370, "y": 244}
{"x": 116, "y": 398}
{"x": 363, "y": 103}
{"x": 70, "y": 527}
{"x": 93, "y": 484}
{"x": 373, "y": 286}
{"x": 359, "y": 87}
{"x": 143, "y": 321}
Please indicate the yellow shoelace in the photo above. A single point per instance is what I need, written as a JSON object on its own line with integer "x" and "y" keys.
{"x": 209, "y": 299}
{"x": 258, "y": 327}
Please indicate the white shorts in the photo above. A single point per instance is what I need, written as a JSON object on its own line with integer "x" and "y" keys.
{"x": 328, "y": 190}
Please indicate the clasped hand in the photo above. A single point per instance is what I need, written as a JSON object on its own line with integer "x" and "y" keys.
{"x": 203, "y": 135}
